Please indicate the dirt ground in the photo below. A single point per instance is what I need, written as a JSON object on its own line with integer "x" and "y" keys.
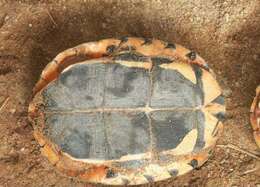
{"x": 225, "y": 32}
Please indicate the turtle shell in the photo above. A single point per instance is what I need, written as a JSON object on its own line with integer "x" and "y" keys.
{"x": 255, "y": 116}
{"x": 128, "y": 118}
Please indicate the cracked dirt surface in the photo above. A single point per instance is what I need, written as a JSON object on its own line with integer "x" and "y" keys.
{"x": 226, "y": 33}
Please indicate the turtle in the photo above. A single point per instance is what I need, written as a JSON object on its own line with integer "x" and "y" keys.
{"x": 255, "y": 116}
{"x": 127, "y": 111}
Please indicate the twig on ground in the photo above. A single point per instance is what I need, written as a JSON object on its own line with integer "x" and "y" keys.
{"x": 251, "y": 170}
{"x": 231, "y": 146}
{"x": 53, "y": 21}
{"x": 2, "y": 20}
{"x": 4, "y": 104}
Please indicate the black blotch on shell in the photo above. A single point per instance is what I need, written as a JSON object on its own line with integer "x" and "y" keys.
{"x": 221, "y": 116}
{"x": 131, "y": 57}
{"x": 173, "y": 172}
{"x": 206, "y": 67}
{"x": 149, "y": 178}
{"x": 219, "y": 100}
{"x": 124, "y": 39}
{"x": 110, "y": 173}
{"x": 161, "y": 60}
{"x": 191, "y": 55}
{"x": 199, "y": 86}
{"x": 170, "y": 46}
{"x": 127, "y": 48}
{"x": 147, "y": 41}
{"x": 194, "y": 163}
{"x": 110, "y": 49}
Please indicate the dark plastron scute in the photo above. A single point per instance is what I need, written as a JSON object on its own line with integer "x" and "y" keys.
{"x": 173, "y": 89}
{"x": 75, "y": 85}
{"x": 65, "y": 130}
{"x": 123, "y": 134}
{"x": 169, "y": 128}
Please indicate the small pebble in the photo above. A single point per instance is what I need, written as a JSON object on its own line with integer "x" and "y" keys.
{"x": 227, "y": 92}
{"x": 13, "y": 110}
{"x": 256, "y": 57}
{"x": 242, "y": 157}
{"x": 6, "y": 18}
